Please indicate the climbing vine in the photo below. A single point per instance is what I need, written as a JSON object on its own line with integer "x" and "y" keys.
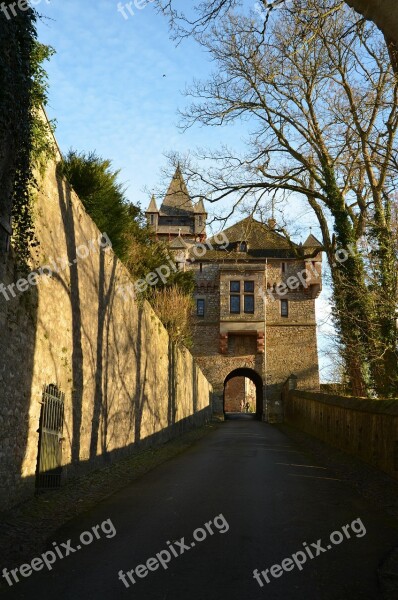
{"x": 24, "y": 137}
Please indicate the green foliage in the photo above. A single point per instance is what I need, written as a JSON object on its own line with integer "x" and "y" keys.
{"x": 42, "y": 141}
{"x": 23, "y": 137}
{"x": 185, "y": 281}
{"x": 103, "y": 196}
{"x": 17, "y": 41}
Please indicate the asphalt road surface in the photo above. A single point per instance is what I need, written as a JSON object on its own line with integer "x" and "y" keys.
{"x": 262, "y": 500}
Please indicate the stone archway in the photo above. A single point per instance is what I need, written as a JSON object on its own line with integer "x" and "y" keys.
{"x": 231, "y": 402}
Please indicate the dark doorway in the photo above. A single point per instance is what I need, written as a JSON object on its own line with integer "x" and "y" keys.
{"x": 243, "y": 394}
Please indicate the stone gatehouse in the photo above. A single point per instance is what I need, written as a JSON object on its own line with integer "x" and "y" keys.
{"x": 254, "y": 316}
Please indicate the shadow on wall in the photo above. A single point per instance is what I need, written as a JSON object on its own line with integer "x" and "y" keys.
{"x": 101, "y": 401}
{"x": 27, "y": 484}
{"x": 118, "y": 351}
{"x": 65, "y": 204}
{"x": 110, "y": 357}
{"x": 18, "y": 322}
{"x": 172, "y": 397}
{"x": 106, "y": 344}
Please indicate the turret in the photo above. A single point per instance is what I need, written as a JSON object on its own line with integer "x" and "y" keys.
{"x": 200, "y": 219}
{"x": 152, "y": 214}
{"x": 313, "y": 265}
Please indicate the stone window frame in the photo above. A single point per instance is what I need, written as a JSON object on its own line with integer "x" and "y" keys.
{"x": 242, "y": 292}
{"x": 234, "y": 293}
{"x": 249, "y": 293}
{"x": 234, "y": 312}
{"x": 203, "y": 301}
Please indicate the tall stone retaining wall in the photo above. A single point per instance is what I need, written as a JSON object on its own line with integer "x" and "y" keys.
{"x": 126, "y": 385}
{"x": 366, "y": 428}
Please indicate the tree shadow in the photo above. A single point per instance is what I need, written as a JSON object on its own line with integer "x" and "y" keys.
{"x": 18, "y": 322}
{"x": 101, "y": 408}
{"x": 172, "y": 385}
{"x": 65, "y": 204}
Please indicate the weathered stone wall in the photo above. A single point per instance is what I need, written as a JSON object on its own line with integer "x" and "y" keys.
{"x": 235, "y": 395}
{"x": 250, "y": 393}
{"x": 125, "y": 384}
{"x": 366, "y": 428}
{"x": 238, "y": 392}
{"x": 292, "y": 349}
{"x": 291, "y": 342}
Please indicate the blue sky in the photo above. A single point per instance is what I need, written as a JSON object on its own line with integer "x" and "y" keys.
{"x": 116, "y": 86}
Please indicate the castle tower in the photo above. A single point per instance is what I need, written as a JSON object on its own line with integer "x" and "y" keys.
{"x": 177, "y": 216}
{"x": 254, "y": 318}
{"x": 152, "y": 214}
{"x": 200, "y": 220}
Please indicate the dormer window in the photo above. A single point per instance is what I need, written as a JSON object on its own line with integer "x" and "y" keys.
{"x": 242, "y": 246}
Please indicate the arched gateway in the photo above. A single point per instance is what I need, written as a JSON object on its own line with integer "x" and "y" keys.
{"x": 236, "y": 396}
{"x": 254, "y": 300}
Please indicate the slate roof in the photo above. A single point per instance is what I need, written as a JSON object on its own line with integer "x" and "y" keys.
{"x": 152, "y": 208}
{"x": 200, "y": 208}
{"x": 312, "y": 242}
{"x": 177, "y": 201}
{"x": 178, "y": 243}
{"x": 262, "y": 242}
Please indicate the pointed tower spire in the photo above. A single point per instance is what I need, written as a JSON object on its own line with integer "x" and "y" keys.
{"x": 152, "y": 208}
{"x": 177, "y": 197}
{"x": 200, "y": 207}
{"x": 152, "y": 214}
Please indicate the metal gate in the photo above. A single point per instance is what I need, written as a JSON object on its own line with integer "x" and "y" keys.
{"x": 49, "y": 464}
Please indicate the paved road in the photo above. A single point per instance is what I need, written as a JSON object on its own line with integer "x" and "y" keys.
{"x": 272, "y": 500}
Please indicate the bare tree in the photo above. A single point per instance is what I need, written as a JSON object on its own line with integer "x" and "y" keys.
{"x": 174, "y": 309}
{"x": 323, "y": 108}
{"x": 384, "y": 13}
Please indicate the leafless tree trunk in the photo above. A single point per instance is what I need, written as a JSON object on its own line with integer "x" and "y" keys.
{"x": 384, "y": 13}
{"x": 324, "y": 107}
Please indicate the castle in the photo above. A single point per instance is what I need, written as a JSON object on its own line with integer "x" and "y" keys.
{"x": 254, "y": 322}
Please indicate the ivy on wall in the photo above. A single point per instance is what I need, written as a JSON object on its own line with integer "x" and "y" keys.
{"x": 24, "y": 137}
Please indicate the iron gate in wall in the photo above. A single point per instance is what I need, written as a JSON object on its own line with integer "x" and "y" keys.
{"x": 49, "y": 464}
